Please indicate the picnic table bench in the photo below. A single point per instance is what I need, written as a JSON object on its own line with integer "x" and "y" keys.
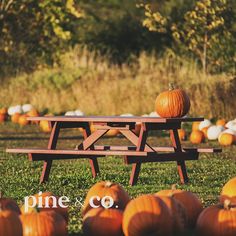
{"x": 140, "y": 152}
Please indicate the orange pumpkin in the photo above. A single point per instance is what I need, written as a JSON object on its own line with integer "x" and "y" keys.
{"x": 195, "y": 125}
{"x": 33, "y": 113}
{"x": 106, "y": 188}
{"x": 197, "y": 137}
{"x": 47, "y": 197}
{"x": 3, "y": 111}
{"x": 10, "y": 224}
{"x": 178, "y": 212}
{"x": 3, "y": 117}
{"x": 182, "y": 134}
{"x": 221, "y": 122}
{"x": 112, "y": 133}
{"x": 23, "y": 120}
{"x": 15, "y": 117}
{"x": 204, "y": 130}
{"x": 101, "y": 221}
{"x": 9, "y": 204}
{"x": 226, "y": 139}
{"x": 45, "y": 223}
{"x": 147, "y": 215}
{"x": 45, "y": 126}
{"x": 218, "y": 220}
{"x": 172, "y": 103}
{"x": 190, "y": 201}
{"x": 229, "y": 191}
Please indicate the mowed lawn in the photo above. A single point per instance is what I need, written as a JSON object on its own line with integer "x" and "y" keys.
{"x": 72, "y": 178}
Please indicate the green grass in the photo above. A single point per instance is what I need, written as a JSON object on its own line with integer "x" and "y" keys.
{"x": 20, "y": 178}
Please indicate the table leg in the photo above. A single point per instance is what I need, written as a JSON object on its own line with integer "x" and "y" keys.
{"x": 51, "y": 145}
{"x": 140, "y": 147}
{"x": 180, "y": 164}
{"x": 93, "y": 162}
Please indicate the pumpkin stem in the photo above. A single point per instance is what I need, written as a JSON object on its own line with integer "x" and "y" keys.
{"x": 108, "y": 184}
{"x": 171, "y": 86}
{"x": 227, "y": 204}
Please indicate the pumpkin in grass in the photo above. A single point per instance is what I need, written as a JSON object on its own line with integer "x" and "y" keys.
{"x": 178, "y": 212}
{"x": 44, "y": 223}
{"x": 3, "y": 117}
{"x": 221, "y": 122}
{"x": 23, "y": 120}
{"x": 101, "y": 221}
{"x": 147, "y": 215}
{"x": 15, "y": 117}
{"x": 226, "y": 139}
{"x": 197, "y": 137}
{"x": 9, "y": 204}
{"x": 218, "y": 220}
{"x": 45, "y": 126}
{"x": 172, "y": 103}
{"x": 189, "y": 200}
{"x": 195, "y": 125}
{"x": 106, "y": 188}
{"x": 10, "y": 224}
{"x": 3, "y": 111}
{"x": 229, "y": 191}
{"x": 47, "y": 197}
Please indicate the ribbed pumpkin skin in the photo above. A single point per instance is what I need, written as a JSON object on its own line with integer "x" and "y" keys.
{"x": 229, "y": 191}
{"x": 47, "y": 223}
{"x": 10, "y": 224}
{"x": 103, "y": 222}
{"x": 178, "y": 212}
{"x": 172, "y": 103}
{"x": 58, "y": 209}
{"x": 107, "y": 188}
{"x": 147, "y": 215}
{"x": 189, "y": 200}
{"x": 216, "y": 221}
{"x": 10, "y": 205}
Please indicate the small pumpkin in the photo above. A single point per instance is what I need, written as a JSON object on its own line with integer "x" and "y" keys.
{"x": 3, "y": 118}
{"x": 23, "y": 120}
{"x": 182, "y": 134}
{"x": 106, "y": 188}
{"x": 229, "y": 191}
{"x": 101, "y": 221}
{"x": 9, "y": 204}
{"x": 195, "y": 125}
{"x": 221, "y": 122}
{"x": 226, "y": 139}
{"x": 3, "y": 111}
{"x": 218, "y": 220}
{"x": 15, "y": 117}
{"x": 10, "y": 224}
{"x": 214, "y": 131}
{"x": 47, "y": 197}
{"x": 44, "y": 223}
{"x": 189, "y": 200}
{"x": 45, "y": 126}
{"x": 178, "y": 212}
{"x": 33, "y": 113}
{"x": 204, "y": 130}
{"x": 197, "y": 137}
{"x": 172, "y": 103}
{"x": 147, "y": 215}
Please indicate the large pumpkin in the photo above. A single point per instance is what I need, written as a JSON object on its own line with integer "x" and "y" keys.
{"x": 51, "y": 199}
{"x": 45, "y": 223}
{"x": 172, "y": 103}
{"x": 101, "y": 221}
{"x": 218, "y": 220}
{"x": 106, "y": 188}
{"x": 147, "y": 215}
{"x": 10, "y": 224}
{"x": 229, "y": 191}
{"x": 178, "y": 212}
{"x": 189, "y": 200}
{"x": 9, "y": 204}
{"x": 197, "y": 137}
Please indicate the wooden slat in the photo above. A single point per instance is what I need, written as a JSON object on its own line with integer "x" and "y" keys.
{"x": 114, "y": 119}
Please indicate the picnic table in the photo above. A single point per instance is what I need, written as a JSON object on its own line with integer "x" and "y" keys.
{"x": 140, "y": 152}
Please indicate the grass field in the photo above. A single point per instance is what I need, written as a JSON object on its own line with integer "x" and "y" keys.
{"x": 20, "y": 178}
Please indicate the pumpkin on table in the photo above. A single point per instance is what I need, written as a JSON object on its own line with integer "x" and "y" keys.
{"x": 147, "y": 215}
{"x": 47, "y": 197}
{"x": 106, "y": 188}
{"x": 44, "y": 223}
{"x": 218, "y": 220}
{"x": 10, "y": 224}
{"x": 172, "y": 103}
{"x": 188, "y": 199}
{"x": 229, "y": 191}
{"x": 197, "y": 137}
{"x": 101, "y": 221}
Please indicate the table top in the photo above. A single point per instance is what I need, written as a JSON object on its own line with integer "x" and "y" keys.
{"x": 114, "y": 119}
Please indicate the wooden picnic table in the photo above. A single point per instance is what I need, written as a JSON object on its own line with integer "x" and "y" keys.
{"x": 137, "y": 154}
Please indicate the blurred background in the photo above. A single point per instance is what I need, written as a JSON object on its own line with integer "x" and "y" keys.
{"x": 108, "y": 57}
